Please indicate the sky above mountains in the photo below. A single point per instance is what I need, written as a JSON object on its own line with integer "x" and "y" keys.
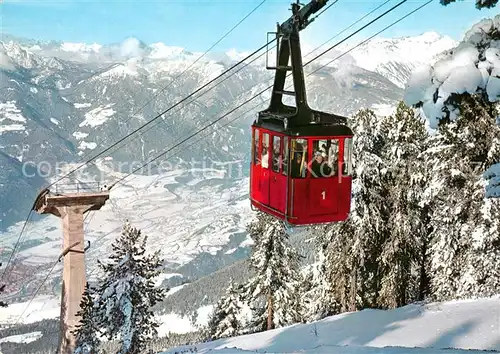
{"x": 197, "y": 24}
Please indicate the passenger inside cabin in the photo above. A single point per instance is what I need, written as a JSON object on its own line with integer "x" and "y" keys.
{"x": 333, "y": 160}
{"x": 298, "y": 166}
{"x": 276, "y": 157}
{"x": 320, "y": 166}
{"x": 265, "y": 157}
{"x": 256, "y": 159}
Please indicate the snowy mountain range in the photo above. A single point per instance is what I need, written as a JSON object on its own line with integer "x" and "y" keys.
{"x": 64, "y": 102}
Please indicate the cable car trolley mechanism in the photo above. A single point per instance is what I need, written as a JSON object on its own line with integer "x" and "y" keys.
{"x": 301, "y": 169}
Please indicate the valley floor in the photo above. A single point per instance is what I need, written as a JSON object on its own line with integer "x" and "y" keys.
{"x": 465, "y": 326}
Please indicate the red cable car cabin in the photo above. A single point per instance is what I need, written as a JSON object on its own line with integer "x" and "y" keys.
{"x": 286, "y": 184}
{"x": 301, "y": 166}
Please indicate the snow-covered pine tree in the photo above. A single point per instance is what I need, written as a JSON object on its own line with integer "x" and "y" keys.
{"x": 127, "y": 292}
{"x": 225, "y": 319}
{"x": 316, "y": 292}
{"x": 466, "y": 239}
{"x": 352, "y": 247}
{"x": 258, "y": 321}
{"x": 276, "y": 265}
{"x": 405, "y": 136}
{"x": 471, "y": 67}
{"x": 87, "y": 330}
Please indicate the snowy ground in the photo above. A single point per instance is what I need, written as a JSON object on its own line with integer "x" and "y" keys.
{"x": 22, "y": 338}
{"x": 464, "y": 325}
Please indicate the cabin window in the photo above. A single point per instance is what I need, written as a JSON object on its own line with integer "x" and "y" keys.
{"x": 298, "y": 163}
{"x": 347, "y": 165}
{"x": 285, "y": 155}
{"x": 324, "y": 162}
{"x": 265, "y": 150}
{"x": 255, "y": 147}
{"x": 276, "y": 153}
{"x": 333, "y": 156}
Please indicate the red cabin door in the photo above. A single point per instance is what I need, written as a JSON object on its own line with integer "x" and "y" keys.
{"x": 278, "y": 180}
{"x": 264, "y": 177}
{"x": 324, "y": 178}
{"x": 323, "y": 197}
{"x": 255, "y": 166}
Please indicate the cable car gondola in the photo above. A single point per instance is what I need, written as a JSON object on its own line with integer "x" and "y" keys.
{"x": 301, "y": 163}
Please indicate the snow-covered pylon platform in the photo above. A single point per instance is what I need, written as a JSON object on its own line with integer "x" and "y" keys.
{"x": 456, "y": 327}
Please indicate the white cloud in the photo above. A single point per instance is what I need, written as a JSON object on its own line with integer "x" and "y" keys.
{"x": 131, "y": 48}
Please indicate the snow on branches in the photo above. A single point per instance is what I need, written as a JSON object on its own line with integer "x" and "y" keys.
{"x": 127, "y": 293}
{"x": 472, "y": 67}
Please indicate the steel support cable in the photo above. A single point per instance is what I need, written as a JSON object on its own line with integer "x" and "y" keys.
{"x": 141, "y": 134}
{"x": 133, "y": 132}
{"x": 164, "y": 88}
{"x": 311, "y": 52}
{"x": 37, "y": 291}
{"x": 156, "y": 117}
{"x": 16, "y": 245}
{"x": 267, "y": 88}
{"x": 49, "y": 273}
{"x": 162, "y": 113}
{"x": 326, "y": 8}
{"x": 253, "y": 60}
{"x": 20, "y": 239}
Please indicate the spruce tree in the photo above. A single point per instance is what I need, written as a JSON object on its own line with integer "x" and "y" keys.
{"x": 86, "y": 332}
{"x": 317, "y": 296}
{"x": 352, "y": 247}
{"x": 225, "y": 320}
{"x": 276, "y": 265}
{"x": 465, "y": 238}
{"x": 405, "y": 138}
{"x": 127, "y": 292}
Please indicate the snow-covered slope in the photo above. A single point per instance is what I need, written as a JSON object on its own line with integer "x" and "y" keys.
{"x": 464, "y": 325}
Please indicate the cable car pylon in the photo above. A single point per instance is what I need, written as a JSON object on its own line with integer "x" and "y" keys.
{"x": 301, "y": 165}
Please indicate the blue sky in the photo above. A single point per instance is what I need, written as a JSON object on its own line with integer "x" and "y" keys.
{"x": 197, "y": 24}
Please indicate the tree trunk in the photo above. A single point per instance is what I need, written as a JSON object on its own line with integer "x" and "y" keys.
{"x": 270, "y": 311}
{"x": 343, "y": 294}
{"x": 423, "y": 281}
{"x": 354, "y": 282}
{"x": 424, "y": 278}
